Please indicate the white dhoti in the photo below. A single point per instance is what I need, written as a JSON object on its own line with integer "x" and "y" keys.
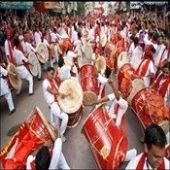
{"x": 5, "y": 91}
{"x": 56, "y": 116}
{"x": 25, "y": 74}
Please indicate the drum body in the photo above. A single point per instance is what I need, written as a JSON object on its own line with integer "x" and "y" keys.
{"x": 74, "y": 118}
{"x": 122, "y": 59}
{"x": 125, "y": 77}
{"x": 89, "y": 82}
{"x": 64, "y": 44}
{"x": 149, "y": 107}
{"x": 107, "y": 142}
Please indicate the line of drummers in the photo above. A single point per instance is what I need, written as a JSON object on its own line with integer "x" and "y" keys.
{"x": 79, "y": 61}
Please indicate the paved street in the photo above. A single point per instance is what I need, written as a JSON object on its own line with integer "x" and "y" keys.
{"x": 76, "y": 148}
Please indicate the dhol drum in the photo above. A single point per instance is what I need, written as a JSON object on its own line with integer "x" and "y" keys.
{"x": 34, "y": 66}
{"x": 14, "y": 79}
{"x": 150, "y": 107}
{"x": 122, "y": 59}
{"x": 109, "y": 53}
{"x": 89, "y": 83}
{"x": 33, "y": 133}
{"x": 108, "y": 143}
{"x": 63, "y": 45}
{"x": 43, "y": 53}
{"x": 72, "y": 103}
{"x": 125, "y": 77}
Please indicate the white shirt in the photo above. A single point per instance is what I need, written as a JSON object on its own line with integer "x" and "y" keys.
{"x": 74, "y": 36}
{"x": 64, "y": 72}
{"x": 47, "y": 95}
{"x": 28, "y": 48}
{"x": 151, "y": 70}
{"x": 134, "y": 162}
{"x": 37, "y": 36}
{"x": 19, "y": 57}
{"x": 123, "y": 106}
{"x": 77, "y": 45}
{"x": 7, "y": 48}
{"x": 4, "y": 89}
{"x": 54, "y": 36}
{"x": 158, "y": 54}
{"x": 69, "y": 57}
{"x": 136, "y": 55}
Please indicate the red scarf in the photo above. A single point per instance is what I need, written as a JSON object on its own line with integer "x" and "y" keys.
{"x": 143, "y": 67}
{"x": 54, "y": 86}
{"x": 11, "y": 57}
{"x": 141, "y": 163}
{"x": 164, "y": 86}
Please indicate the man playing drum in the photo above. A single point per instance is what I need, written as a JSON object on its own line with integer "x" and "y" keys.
{"x": 5, "y": 91}
{"x": 153, "y": 156}
{"x": 20, "y": 60}
{"x": 119, "y": 105}
{"x": 51, "y": 95}
{"x": 48, "y": 157}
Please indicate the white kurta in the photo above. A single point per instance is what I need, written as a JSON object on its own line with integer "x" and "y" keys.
{"x": 58, "y": 160}
{"x": 4, "y": 89}
{"x": 123, "y": 106}
{"x": 56, "y": 113}
{"x": 136, "y": 56}
{"x": 134, "y": 162}
{"x": 37, "y": 37}
{"x": 22, "y": 70}
{"x": 64, "y": 72}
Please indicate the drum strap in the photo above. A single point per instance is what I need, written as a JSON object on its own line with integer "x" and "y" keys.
{"x": 11, "y": 57}
{"x": 163, "y": 86}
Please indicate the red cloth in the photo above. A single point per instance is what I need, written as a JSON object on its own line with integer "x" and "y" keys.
{"x": 143, "y": 67}
{"x": 11, "y": 57}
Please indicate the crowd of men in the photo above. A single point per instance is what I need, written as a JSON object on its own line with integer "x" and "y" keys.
{"x": 148, "y": 47}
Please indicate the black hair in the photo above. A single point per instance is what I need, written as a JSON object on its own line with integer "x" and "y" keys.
{"x": 60, "y": 61}
{"x": 50, "y": 69}
{"x": 16, "y": 41}
{"x": 43, "y": 158}
{"x": 135, "y": 40}
{"x": 154, "y": 135}
{"x": 79, "y": 35}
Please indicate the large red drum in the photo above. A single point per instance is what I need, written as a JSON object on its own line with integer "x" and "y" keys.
{"x": 150, "y": 107}
{"x": 64, "y": 44}
{"x": 89, "y": 83}
{"x": 108, "y": 143}
{"x": 109, "y": 53}
{"x": 125, "y": 77}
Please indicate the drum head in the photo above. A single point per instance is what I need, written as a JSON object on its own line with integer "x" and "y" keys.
{"x": 89, "y": 98}
{"x": 43, "y": 51}
{"x": 137, "y": 85}
{"x": 74, "y": 96}
{"x": 87, "y": 50}
{"x": 34, "y": 64}
{"x": 103, "y": 40}
{"x": 123, "y": 58}
{"x": 15, "y": 80}
{"x": 100, "y": 64}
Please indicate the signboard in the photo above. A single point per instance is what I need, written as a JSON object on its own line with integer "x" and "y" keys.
{"x": 52, "y": 5}
{"x": 135, "y": 5}
{"x": 16, "y": 5}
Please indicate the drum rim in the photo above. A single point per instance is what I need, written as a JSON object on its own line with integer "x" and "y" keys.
{"x": 41, "y": 59}
{"x": 18, "y": 85}
{"x": 72, "y": 110}
{"x": 37, "y": 64}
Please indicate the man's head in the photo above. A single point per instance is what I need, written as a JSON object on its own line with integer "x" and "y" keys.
{"x": 50, "y": 72}
{"x": 43, "y": 158}
{"x": 155, "y": 141}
